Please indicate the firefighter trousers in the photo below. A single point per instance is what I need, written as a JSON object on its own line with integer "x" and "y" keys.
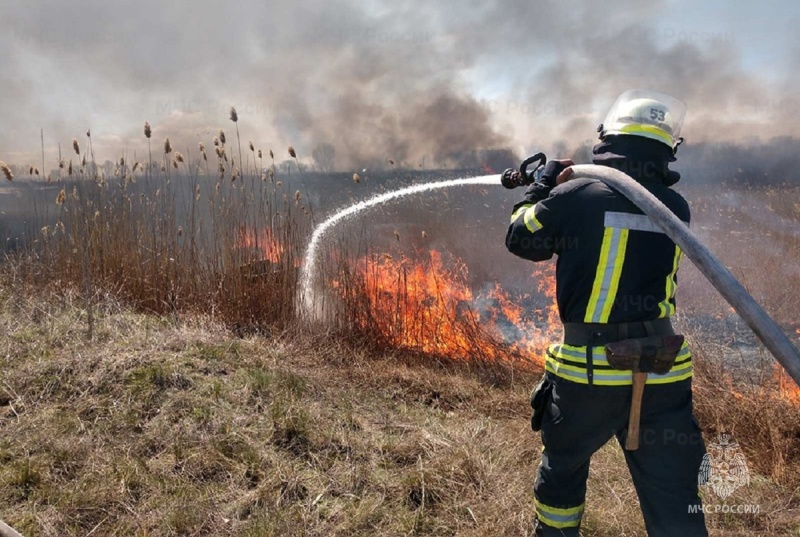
{"x": 579, "y": 419}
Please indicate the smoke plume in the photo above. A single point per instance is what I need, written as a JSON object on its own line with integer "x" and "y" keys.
{"x": 377, "y": 81}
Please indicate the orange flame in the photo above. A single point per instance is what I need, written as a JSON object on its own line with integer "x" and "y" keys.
{"x": 787, "y": 386}
{"x": 263, "y": 242}
{"x": 427, "y": 307}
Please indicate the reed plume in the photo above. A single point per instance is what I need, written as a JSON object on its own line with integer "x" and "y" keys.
{"x": 178, "y": 157}
{"x": 222, "y": 137}
{"x": 356, "y": 178}
{"x": 75, "y": 146}
{"x": 61, "y": 198}
{"x": 252, "y": 147}
{"x": 234, "y": 115}
{"x": 259, "y": 153}
{"x": 202, "y": 147}
{"x": 147, "y": 133}
{"x": 167, "y": 146}
{"x": 216, "y": 141}
{"x": 292, "y": 152}
{"x": 6, "y": 171}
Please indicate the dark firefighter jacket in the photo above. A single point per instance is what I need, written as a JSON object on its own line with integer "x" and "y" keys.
{"x": 614, "y": 264}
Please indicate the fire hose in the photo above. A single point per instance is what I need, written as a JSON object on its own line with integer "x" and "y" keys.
{"x": 7, "y": 531}
{"x": 766, "y": 329}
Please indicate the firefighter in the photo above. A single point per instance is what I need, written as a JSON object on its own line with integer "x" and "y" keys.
{"x": 616, "y": 280}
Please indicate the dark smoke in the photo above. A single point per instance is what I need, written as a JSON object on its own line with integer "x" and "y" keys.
{"x": 378, "y": 81}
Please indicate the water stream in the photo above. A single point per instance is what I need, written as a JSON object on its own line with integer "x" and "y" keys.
{"x": 308, "y": 273}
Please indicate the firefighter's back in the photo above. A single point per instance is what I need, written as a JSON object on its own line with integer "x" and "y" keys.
{"x": 615, "y": 265}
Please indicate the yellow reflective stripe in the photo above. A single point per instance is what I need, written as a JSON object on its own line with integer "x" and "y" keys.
{"x": 531, "y": 222}
{"x": 627, "y": 381}
{"x": 641, "y": 128}
{"x": 607, "y": 276}
{"x": 567, "y": 367}
{"x": 679, "y": 378}
{"x": 598, "y": 358}
{"x": 665, "y": 307}
{"x": 682, "y": 369}
{"x": 598, "y": 276}
{"x": 578, "y": 354}
{"x": 558, "y": 511}
{"x": 678, "y": 367}
{"x": 520, "y": 210}
{"x": 619, "y": 260}
{"x": 556, "y": 517}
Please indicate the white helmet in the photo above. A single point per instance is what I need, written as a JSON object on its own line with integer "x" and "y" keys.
{"x": 649, "y": 114}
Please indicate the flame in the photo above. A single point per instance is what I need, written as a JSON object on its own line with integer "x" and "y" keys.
{"x": 787, "y": 386}
{"x": 264, "y": 242}
{"x": 430, "y": 307}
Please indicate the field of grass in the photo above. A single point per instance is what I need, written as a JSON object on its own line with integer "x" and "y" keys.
{"x": 176, "y": 426}
{"x": 156, "y": 377}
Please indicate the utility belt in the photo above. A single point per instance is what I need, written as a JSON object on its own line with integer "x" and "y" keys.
{"x": 606, "y": 354}
{"x": 581, "y": 334}
{"x": 614, "y": 354}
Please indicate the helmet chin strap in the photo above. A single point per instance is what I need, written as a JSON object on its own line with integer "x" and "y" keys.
{"x": 677, "y": 145}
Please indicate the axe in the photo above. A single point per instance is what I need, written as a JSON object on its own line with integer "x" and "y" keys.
{"x": 652, "y": 354}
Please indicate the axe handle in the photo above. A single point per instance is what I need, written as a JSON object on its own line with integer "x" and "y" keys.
{"x": 632, "y": 440}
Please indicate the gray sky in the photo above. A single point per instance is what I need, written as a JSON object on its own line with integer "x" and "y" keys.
{"x": 383, "y": 79}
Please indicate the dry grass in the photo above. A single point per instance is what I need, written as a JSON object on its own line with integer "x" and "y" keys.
{"x": 198, "y": 405}
{"x": 176, "y": 426}
{"x": 186, "y": 243}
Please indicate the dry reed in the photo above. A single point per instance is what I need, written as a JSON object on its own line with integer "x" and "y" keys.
{"x": 6, "y": 171}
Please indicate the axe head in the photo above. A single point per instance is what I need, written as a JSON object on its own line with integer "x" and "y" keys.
{"x": 653, "y": 354}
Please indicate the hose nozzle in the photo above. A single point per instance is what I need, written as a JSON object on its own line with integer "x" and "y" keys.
{"x": 522, "y": 178}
